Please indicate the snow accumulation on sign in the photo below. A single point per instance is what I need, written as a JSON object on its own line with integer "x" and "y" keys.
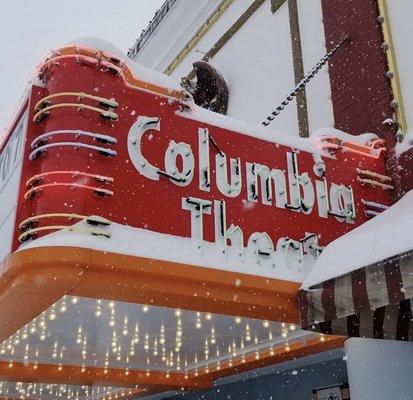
{"x": 148, "y": 159}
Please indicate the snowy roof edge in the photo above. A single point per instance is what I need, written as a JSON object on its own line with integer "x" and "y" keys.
{"x": 150, "y": 29}
{"x": 377, "y": 236}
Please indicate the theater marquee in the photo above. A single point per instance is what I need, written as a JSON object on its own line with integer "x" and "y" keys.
{"x": 131, "y": 198}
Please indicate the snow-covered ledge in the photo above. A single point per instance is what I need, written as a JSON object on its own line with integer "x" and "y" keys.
{"x": 362, "y": 284}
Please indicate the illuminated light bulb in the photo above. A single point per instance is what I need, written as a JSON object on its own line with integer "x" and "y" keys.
{"x": 270, "y": 335}
{"x": 35, "y": 366}
{"x": 32, "y": 329}
{"x": 52, "y": 315}
{"x": 162, "y": 340}
{"x": 60, "y": 367}
{"x": 186, "y": 376}
{"x": 155, "y": 348}
{"x": 257, "y": 355}
{"x": 213, "y": 338}
{"x": 112, "y": 321}
{"x": 145, "y": 309}
{"x": 292, "y": 327}
{"x": 42, "y": 336}
{"x": 63, "y": 307}
{"x": 146, "y": 342}
{"x": 284, "y": 334}
{"x": 271, "y": 352}
{"x": 111, "y": 304}
{"x": 98, "y": 311}
{"x": 147, "y": 373}
{"x": 79, "y": 335}
{"x": 178, "y": 313}
{"x": 287, "y": 347}
{"x": 198, "y": 323}
{"x": 125, "y": 330}
{"x": 42, "y": 322}
{"x": 208, "y": 316}
{"x": 322, "y": 339}
{"x": 24, "y": 335}
{"x": 11, "y": 364}
{"x": 265, "y": 324}
{"x": 75, "y": 300}
{"x": 167, "y": 375}
{"x": 16, "y": 340}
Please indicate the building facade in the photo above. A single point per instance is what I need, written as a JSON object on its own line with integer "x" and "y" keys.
{"x": 363, "y": 88}
{"x": 263, "y": 50}
{"x": 229, "y": 217}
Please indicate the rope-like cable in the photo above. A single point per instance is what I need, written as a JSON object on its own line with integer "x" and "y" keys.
{"x": 30, "y": 193}
{"x": 37, "y": 151}
{"x": 301, "y": 85}
{"x": 103, "y": 138}
{"x": 97, "y": 232}
{"x": 80, "y": 96}
{"x": 93, "y": 219}
{"x": 99, "y": 178}
{"x": 368, "y": 151}
{"x": 370, "y": 174}
{"x": 373, "y": 183}
{"x": 80, "y": 106}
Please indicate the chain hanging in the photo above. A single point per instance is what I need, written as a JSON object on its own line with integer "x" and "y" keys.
{"x": 301, "y": 85}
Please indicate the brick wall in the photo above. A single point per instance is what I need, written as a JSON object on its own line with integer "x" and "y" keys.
{"x": 361, "y": 92}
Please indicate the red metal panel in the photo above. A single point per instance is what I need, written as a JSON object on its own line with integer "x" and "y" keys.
{"x": 156, "y": 205}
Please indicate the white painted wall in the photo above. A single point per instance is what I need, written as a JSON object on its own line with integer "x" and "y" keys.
{"x": 232, "y": 13}
{"x": 320, "y": 107}
{"x": 257, "y": 62}
{"x": 400, "y": 13}
{"x": 11, "y": 160}
{"x": 380, "y": 369}
{"x": 177, "y": 27}
{"x": 258, "y": 66}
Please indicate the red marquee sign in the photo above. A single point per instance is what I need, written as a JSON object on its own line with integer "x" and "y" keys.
{"x": 96, "y": 145}
{"x": 118, "y": 189}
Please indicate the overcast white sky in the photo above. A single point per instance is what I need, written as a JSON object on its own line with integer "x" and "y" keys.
{"x": 30, "y": 28}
